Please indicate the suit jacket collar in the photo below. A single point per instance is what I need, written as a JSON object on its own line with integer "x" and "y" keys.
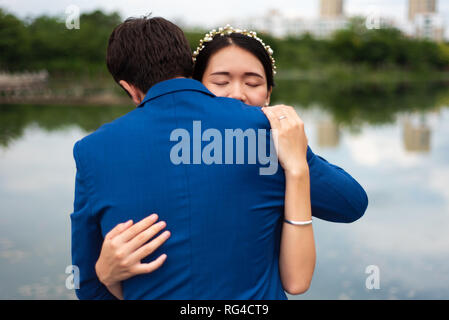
{"x": 174, "y": 85}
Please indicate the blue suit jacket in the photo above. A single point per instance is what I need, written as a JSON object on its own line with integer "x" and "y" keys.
{"x": 225, "y": 219}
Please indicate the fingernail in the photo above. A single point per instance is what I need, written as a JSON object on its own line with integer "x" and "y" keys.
{"x": 153, "y": 216}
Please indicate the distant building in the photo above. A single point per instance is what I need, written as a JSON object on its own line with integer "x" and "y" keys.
{"x": 424, "y": 21}
{"x": 429, "y": 26}
{"x": 324, "y": 28}
{"x": 416, "y": 7}
{"x": 331, "y": 8}
{"x": 281, "y": 25}
{"x": 273, "y": 22}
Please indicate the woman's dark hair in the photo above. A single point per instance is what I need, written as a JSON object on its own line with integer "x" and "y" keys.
{"x": 145, "y": 51}
{"x": 242, "y": 41}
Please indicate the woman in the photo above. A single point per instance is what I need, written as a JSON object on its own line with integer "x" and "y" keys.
{"x": 235, "y": 64}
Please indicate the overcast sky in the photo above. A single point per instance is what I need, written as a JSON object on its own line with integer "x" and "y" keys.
{"x": 212, "y": 13}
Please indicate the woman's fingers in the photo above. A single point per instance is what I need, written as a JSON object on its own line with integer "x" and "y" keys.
{"x": 293, "y": 117}
{"x": 289, "y": 137}
{"x": 150, "y": 247}
{"x": 139, "y": 240}
{"x": 143, "y": 268}
{"x": 270, "y": 113}
{"x": 273, "y": 117}
{"x": 118, "y": 229}
{"x": 297, "y": 122}
{"x": 286, "y": 116}
{"x": 137, "y": 228}
{"x": 281, "y": 117}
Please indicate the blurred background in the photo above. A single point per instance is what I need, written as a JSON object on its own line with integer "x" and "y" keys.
{"x": 369, "y": 79}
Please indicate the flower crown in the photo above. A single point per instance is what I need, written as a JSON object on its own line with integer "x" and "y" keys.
{"x": 227, "y": 30}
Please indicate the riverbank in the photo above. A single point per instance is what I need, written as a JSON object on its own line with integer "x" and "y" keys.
{"x": 338, "y": 79}
{"x": 63, "y": 90}
{"x": 356, "y": 75}
{"x": 100, "y": 99}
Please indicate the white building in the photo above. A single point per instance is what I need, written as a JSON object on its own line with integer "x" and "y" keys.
{"x": 424, "y": 21}
{"x": 429, "y": 26}
{"x": 280, "y": 25}
{"x": 331, "y": 8}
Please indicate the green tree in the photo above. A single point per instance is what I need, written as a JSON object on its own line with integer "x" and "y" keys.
{"x": 14, "y": 42}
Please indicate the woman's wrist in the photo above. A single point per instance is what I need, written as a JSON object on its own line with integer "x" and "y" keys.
{"x": 100, "y": 274}
{"x": 116, "y": 290}
{"x": 300, "y": 172}
{"x": 297, "y": 201}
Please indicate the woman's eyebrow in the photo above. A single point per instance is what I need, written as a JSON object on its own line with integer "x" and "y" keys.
{"x": 246, "y": 74}
{"x": 253, "y": 74}
{"x": 220, "y": 73}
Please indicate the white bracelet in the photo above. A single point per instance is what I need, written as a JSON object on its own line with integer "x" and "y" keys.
{"x": 298, "y": 223}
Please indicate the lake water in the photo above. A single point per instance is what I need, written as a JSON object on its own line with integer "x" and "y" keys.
{"x": 395, "y": 143}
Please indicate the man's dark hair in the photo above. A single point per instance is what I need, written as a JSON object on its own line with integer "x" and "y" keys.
{"x": 237, "y": 39}
{"x": 145, "y": 51}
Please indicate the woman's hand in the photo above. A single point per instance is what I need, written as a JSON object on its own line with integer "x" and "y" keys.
{"x": 289, "y": 138}
{"x": 297, "y": 251}
{"x": 123, "y": 249}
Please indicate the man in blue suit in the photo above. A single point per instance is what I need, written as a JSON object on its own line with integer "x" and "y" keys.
{"x": 225, "y": 219}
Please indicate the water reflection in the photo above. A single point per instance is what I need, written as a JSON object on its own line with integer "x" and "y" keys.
{"x": 404, "y": 231}
{"x": 342, "y": 107}
{"x": 395, "y": 142}
{"x": 416, "y": 136}
{"x": 15, "y": 118}
{"x": 328, "y": 133}
{"x": 354, "y": 105}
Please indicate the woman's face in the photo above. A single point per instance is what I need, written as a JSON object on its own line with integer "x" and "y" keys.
{"x": 236, "y": 73}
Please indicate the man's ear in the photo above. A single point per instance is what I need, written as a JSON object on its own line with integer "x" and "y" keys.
{"x": 135, "y": 93}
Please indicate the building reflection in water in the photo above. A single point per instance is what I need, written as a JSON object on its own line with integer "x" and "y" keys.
{"x": 416, "y": 135}
{"x": 328, "y": 133}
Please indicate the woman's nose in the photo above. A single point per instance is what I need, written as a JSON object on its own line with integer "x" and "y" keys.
{"x": 238, "y": 93}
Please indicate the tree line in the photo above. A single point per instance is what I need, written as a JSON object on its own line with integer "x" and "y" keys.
{"x": 44, "y": 42}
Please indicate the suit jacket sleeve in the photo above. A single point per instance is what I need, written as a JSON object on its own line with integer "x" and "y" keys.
{"x": 335, "y": 195}
{"x": 86, "y": 237}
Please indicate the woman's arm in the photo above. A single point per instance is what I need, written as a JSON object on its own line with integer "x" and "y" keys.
{"x": 297, "y": 251}
{"x": 336, "y": 196}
